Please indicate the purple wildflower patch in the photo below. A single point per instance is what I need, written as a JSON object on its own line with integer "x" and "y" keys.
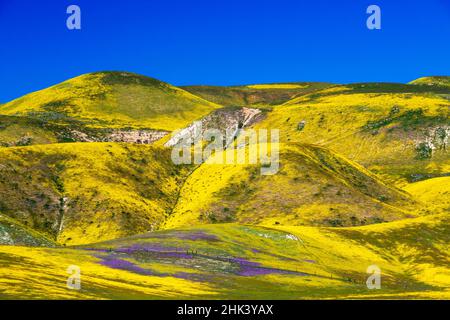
{"x": 117, "y": 263}
{"x": 244, "y": 262}
{"x": 121, "y": 264}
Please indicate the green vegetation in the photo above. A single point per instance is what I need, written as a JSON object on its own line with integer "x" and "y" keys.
{"x": 236, "y": 262}
{"x": 261, "y": 96}
{"x": 86, "y": 192}
{"x": 313, "y": 187}
{"x": 14, "y": 233}
{"x": 379, "y": 129}
{"x": 112, "y": 100}
{"x": 442, "y": 81}
{"x": 363, "y": 180}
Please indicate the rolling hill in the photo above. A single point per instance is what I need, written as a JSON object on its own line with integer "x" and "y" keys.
{"x": 242, "y": 262}
{"x": 257, "y": 95}
{"x": 443, "y": 81}
{"x": 313, "y": 186}
{"x": 397, "y": 131}
{"x": 87, "y": 179}
{"x": 112, "y": 100}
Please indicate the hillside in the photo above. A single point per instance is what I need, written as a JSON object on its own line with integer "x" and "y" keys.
{"x": 434, "y": 193}
{"x": 81, "y": 193}
{"x": 443, "y": 81}
{"x": 16, "y": 131}
{"x": 87, "y": 178}
{"x": 20, "y": 131}
{"x": 112, "y": 100}
{"x": 236, "y": 262}
{"x": 313, "y": 187}
{"x": 257, "y": 95}
{"x": 397, "y": 131}
{"x": 14, "y": 233}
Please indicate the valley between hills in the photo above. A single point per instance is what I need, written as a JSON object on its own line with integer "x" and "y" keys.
{"x": 87, "y": 179}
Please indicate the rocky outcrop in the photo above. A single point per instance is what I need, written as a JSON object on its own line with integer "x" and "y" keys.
{"x": 228, "y": 121}
{"x": 79, "y": 136}
{"x": 129, "y": 136}
{"x": 436, "y": 139}
{"x": 138, "y": 136}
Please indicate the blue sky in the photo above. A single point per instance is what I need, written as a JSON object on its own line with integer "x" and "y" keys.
{"x": 222, "y": 42}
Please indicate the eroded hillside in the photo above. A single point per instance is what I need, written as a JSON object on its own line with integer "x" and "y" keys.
{"x": 87, "y": 192}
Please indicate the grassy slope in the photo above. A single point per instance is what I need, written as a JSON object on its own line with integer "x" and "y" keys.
{"x": 313, "y": 187}
{"x": 243, "y": 262}
{"x": 435, "y": 193}
{"x": 25, "y": 131}
{"x": 262, "y": 95}
{"x": 376, "y": 125}
{"x": 443, "y": 81}
{"x": 15, "y": 233}
{"x": 104, "y": 190}
{"x": 113, "y": 99}
{"x": 85, "y": 192}
{"x": 22, "y": 131}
